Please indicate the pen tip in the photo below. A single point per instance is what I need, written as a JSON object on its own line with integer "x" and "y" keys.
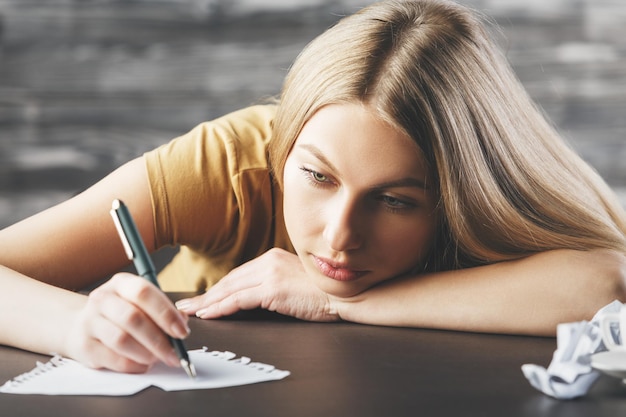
{"x": 189, "y": 368}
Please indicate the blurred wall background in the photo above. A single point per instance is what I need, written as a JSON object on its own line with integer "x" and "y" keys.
{"x": 86, "y": 85}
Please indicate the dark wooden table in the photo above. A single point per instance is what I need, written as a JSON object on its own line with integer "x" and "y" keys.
{"x": 342, "y": 369}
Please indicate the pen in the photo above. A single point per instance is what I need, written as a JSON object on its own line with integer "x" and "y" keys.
{"x": 137, "y": 252}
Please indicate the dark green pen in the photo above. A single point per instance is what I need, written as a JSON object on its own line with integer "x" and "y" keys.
{"x": 137, "y": 252}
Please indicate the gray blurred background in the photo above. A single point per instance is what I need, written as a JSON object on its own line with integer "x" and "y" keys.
{"x": 87, "y": 85}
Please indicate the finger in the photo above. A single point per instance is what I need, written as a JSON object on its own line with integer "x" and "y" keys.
{"x": 153, "y": 302}
{"x": 246, "y": 299}
{"x": 100, "y": 356}
{"x": 189, "y": 306}
{"x": 250, "y": 275}
{"x": 131, "y": 333}
{"x": 239, "y": 279}
{"x": 114, "y": 349}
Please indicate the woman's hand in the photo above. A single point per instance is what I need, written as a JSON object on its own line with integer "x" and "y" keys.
{"x": 274, "y": 281}
{"x": 123, "y": 324}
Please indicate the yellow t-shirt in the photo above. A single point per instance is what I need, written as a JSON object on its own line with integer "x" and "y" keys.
{"x": 213, "y": 194}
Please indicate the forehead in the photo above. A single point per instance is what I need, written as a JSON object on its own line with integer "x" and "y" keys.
{"x": 352, "y": 136}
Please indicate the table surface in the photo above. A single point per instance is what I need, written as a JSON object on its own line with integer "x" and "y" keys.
{"x": 342, "y": 369}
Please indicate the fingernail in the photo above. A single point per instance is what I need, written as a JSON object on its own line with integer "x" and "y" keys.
{"x": 200, "y": 313}
{"x": 183, "y": 304}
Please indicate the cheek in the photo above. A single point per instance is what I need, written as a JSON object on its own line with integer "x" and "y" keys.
{"x": 298, "y": 206}
{"x": 407, "y": 246}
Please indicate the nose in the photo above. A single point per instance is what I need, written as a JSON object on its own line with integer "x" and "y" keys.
{"x": 342, "y": 231}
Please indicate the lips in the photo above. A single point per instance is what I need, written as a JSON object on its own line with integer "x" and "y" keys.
{"x": 336, "y": 271}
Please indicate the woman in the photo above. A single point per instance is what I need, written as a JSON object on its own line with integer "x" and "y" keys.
{"x": 410, "y": 182}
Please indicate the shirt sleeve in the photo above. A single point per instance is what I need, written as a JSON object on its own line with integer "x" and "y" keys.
{"x": 210, "y": 186}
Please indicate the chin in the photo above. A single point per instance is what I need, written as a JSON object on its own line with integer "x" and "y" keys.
{"x": 340, "y": 289}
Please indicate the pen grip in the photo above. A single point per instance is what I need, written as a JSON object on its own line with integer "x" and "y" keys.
{"x": 136, "y": 250}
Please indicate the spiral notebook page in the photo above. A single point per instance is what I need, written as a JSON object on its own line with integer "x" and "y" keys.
{"x": 214, "y": 369}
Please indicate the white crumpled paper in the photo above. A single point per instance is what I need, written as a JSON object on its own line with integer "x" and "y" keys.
{"x": 570, "y": 374}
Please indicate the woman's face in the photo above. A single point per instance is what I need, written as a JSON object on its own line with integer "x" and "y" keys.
{"x": 358, "y": 206}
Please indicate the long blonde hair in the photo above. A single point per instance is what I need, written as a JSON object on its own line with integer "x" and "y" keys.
{"x": 508, "y": 184}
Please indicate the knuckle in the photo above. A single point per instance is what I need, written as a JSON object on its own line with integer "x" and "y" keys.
{"x": 97, "y": 295}
{"x": 119, "y": 278}
{"x": 142, "y": 291}
{"x": 119, "y": 339}
{"x": 235, "y": 299}
{"x": 132, "y": 317}
{"x": 226, "y": 284}
{"x": 131, "y": 286}
{"x": 276, "y": 253}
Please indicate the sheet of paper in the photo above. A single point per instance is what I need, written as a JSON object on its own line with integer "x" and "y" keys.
{"x": 214, "y": 369}
{"x": 570, "y": 374}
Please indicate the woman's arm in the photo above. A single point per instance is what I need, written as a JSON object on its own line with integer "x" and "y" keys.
{"x": 526, "y": 296}
{"x": 69, "y": 247}
{"x": 75, "y": 244}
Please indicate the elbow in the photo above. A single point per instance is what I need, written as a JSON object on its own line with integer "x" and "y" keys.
{"x": 618, "y": 273}
{"x": 611, "y": 273}
{"x": 603, "y": 281}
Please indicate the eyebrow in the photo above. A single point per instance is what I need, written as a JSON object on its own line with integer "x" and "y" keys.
{"x": 318, "y": 154}
{"x": 404, "y": 182}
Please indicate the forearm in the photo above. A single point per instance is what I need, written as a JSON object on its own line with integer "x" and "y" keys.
{"x": 34, "y": 315}
{"x": 75, "y": 244}
{"x": 526, "y": 296}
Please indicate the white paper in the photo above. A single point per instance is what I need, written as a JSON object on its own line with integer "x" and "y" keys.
{"x": 570, "y": 374}
{"x": 214, "y": 369}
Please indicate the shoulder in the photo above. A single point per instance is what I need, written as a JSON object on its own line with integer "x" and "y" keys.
{"x": 257, "y": 117}
{"x": 241, "y": 136}
{"x": 218, "y": 170}
{"x": 251, "y": 124}
{"x": 245, "y": 135}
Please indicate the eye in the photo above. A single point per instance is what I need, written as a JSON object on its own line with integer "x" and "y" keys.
{"x": 314, "y": 177}
{"x": 318, "y": 176}
{"x": 394, "y": 204}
